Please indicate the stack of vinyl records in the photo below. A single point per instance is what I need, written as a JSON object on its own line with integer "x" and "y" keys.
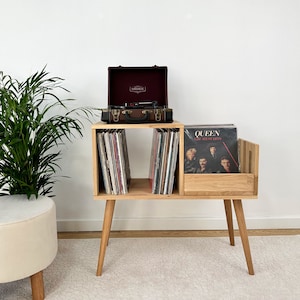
{"x": 114, "y": 161}
{"x": 163, "y": 161}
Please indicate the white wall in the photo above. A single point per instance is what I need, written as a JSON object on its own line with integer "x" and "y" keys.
{"x": 232, "y": 61}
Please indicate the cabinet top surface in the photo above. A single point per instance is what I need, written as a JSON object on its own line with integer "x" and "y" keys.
{"x": 174, "y": 124}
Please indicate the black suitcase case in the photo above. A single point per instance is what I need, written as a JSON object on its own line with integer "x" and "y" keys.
{"x": 137, "y": 95}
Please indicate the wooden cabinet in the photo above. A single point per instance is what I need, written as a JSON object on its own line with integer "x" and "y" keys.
{"x": 231, "y": 188}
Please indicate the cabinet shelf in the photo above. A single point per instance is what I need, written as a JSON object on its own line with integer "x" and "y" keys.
{"x": 139, "y": 189}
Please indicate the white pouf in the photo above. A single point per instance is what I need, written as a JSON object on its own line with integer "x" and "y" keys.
{"x": 28, "y": 236}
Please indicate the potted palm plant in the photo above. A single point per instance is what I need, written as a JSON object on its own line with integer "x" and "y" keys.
{"x": 34, "y": 121}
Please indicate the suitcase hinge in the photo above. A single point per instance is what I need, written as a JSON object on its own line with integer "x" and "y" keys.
{"x": 115, "y": 114}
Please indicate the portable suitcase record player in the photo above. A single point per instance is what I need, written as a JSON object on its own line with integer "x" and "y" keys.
{"x": 137, "y": 95}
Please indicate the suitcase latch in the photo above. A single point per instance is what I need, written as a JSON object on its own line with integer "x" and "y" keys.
{"x": 115, "y": 114}
{"x": 157, "y": 115}
{"x": 126, "y": 112}
{"x": 146, "y": 111}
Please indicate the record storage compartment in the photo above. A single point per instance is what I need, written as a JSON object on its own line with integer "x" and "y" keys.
{"x": 233, "y": 185}
{"x": 139, "y": 188}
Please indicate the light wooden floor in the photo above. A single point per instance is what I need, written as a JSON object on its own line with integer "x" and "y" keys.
{"x": 173, "y": 233}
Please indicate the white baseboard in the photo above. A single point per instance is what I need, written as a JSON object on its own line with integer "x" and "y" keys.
{"x": 176, "y": 224}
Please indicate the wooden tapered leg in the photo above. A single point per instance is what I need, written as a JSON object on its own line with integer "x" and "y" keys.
{"x": 37, "y": 286}
{"x": 228, "y": 211}
{"x": 243, "y": 233}
{"x": 108, "y": 215}
{"x": 110, "y": 225}
{"x": 112, "y": 213}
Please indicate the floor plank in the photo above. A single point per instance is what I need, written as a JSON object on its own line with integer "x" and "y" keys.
{"x": 173, "y": 233}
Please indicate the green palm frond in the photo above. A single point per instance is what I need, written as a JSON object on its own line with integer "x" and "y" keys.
{"x": 31, "y": 130}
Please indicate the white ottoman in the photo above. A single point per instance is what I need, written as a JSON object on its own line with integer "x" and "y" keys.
{"x": 28, "y": 239}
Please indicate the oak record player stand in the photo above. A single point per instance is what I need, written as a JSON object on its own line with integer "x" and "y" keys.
{"x": 231, "y": 188}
